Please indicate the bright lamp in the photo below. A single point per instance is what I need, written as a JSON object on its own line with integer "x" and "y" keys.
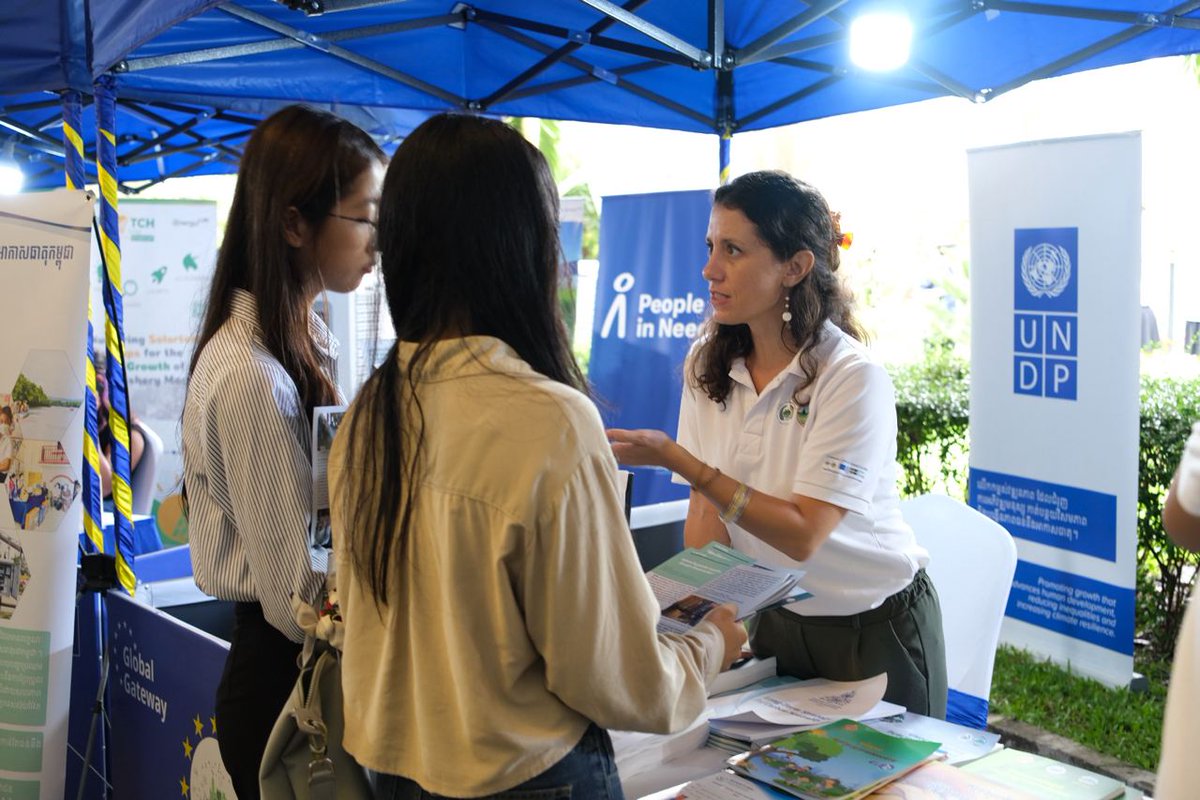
{"x": 880, "y": 41}
{"x": 11, "y": 177}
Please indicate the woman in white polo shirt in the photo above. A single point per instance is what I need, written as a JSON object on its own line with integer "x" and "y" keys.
{"x": 787, "y": 436}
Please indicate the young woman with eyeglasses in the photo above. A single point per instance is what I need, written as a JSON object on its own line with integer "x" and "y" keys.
{"x": 302, "y": 221}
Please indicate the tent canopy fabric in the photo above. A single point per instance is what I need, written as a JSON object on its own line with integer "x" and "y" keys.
{"x": 161, "y": 140}
{"x": 697, "y": 65}
{"x": 211, "y": 68}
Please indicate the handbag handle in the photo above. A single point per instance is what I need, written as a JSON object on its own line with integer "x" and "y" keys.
{"x": 321, "y": 778}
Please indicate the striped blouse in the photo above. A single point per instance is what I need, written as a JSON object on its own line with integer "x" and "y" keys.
{"x": 247, "y": 466}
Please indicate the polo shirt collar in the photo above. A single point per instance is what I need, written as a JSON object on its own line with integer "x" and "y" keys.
{"x": 739, "y": 373}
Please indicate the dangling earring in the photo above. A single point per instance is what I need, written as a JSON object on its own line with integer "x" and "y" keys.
{"x": 787, "y": 308}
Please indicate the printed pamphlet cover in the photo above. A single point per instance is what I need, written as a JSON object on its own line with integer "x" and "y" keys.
{"x": 1045, "y": 778}
{"x": 325, "y": 424}
{"x": 689, "y": 584}
{"x": 940, "y": 781}
{"x": 725, "y": 785}
{"x": 844, "y": 760}
{"x": 960, "y": 744}
{"x": 765, "y": 716}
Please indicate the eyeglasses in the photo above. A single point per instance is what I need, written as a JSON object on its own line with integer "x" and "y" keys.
{"x": 363, "y": 220}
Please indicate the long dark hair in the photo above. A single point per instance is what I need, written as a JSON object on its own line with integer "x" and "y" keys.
{"x": 299, "y": 158}
{"x": 790, "y": 216}
{"x": 468, "y": 239}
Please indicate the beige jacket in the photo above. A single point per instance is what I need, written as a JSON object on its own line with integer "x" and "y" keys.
{"x": 519, "y": 611}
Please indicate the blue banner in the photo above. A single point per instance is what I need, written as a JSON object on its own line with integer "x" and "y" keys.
{"x": 1054, "y": 385}
{"x": 1067, "y": 517}
{"x": 162, "y": 691}
{"x": 650, "y": 302}
{"x": 1073, "y": 605}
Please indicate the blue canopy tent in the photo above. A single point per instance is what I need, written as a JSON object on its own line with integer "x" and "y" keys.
{"x": 718, "y": 66}
{"x": 161, "y": 140}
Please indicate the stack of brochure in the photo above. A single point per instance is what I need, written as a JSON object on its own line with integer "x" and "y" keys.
{"x": 777, "y": 711}
{"x": 931, "y": 781}
{"x": 843, "y": 759}
{"x": 959, "y": 744}
{"x": 1045, "y": 778}
{"x": 689, "y": 584}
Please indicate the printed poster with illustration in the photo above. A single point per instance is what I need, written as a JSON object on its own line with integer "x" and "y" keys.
{"x": 844, "y": 760}
{"x": 44, "y": 243}
{"x": 168, "y": 252}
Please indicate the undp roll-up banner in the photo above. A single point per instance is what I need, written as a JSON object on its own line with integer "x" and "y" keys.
{"x": 650, "y": 301}
{"x": 161, "y": 695}
{"x": 43, "y": 318}
{"x": 1055, "y": 251}
{"x": 168, "y": 249}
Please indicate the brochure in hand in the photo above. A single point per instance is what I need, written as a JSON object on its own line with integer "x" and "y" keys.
{"x": 844, "y": 760}
{"x": 324, "y": 427}
{"x": 689, "y": 584}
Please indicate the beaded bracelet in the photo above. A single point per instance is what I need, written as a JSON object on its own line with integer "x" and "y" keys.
{"x": 737, "y": 504}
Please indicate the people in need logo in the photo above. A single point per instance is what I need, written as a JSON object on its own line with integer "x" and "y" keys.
{"x": 656, "y": 317}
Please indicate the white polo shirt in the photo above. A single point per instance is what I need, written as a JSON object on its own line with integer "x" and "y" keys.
{"x": 836, "y": 442}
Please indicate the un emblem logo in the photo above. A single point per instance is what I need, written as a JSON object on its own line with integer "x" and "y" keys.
{"x": 1045, "y": 269}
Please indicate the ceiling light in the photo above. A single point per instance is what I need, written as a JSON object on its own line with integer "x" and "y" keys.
{"x": 880, "y": 41}
{"x": 11, "y": 177}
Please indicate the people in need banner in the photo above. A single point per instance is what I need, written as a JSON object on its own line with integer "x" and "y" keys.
{"x": 650, "y": 302}
{"x": 1055, "y": 278}
{"x": 44, "y": 241}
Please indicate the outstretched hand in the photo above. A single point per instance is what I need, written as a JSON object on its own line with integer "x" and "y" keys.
{"x": 641, "y": 448}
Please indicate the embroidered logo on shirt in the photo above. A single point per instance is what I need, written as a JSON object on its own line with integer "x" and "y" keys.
{"x": 845, "y": 469}
{"x": 789, "y": 411}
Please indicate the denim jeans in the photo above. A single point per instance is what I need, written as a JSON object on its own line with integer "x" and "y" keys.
{"x": 588, "y": 772}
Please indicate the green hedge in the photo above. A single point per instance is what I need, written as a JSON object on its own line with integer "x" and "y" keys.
{"x": 931, "y": 404}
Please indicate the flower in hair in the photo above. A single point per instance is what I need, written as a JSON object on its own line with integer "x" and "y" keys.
{"x": 842, "y": 240}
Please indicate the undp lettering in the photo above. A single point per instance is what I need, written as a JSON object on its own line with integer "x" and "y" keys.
{"x": 1046, "y": 312}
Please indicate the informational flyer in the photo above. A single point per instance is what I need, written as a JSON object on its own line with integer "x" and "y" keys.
{"x": 168, "y": 252}
{"x": 326, "y": 420}
{"x": 44, "y": 245}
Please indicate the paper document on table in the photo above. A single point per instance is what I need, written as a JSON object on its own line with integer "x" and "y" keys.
{"x": 689, "y": 584}
{"x": 813, "y": 702}
{"x": 324, "y": 426}
{"x": 725, "y": 785}
{"x": 843, "y": 759}
{"x": 960, "y": 744}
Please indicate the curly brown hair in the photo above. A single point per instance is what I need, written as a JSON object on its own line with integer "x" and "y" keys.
{"x": 789, "y": 215}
